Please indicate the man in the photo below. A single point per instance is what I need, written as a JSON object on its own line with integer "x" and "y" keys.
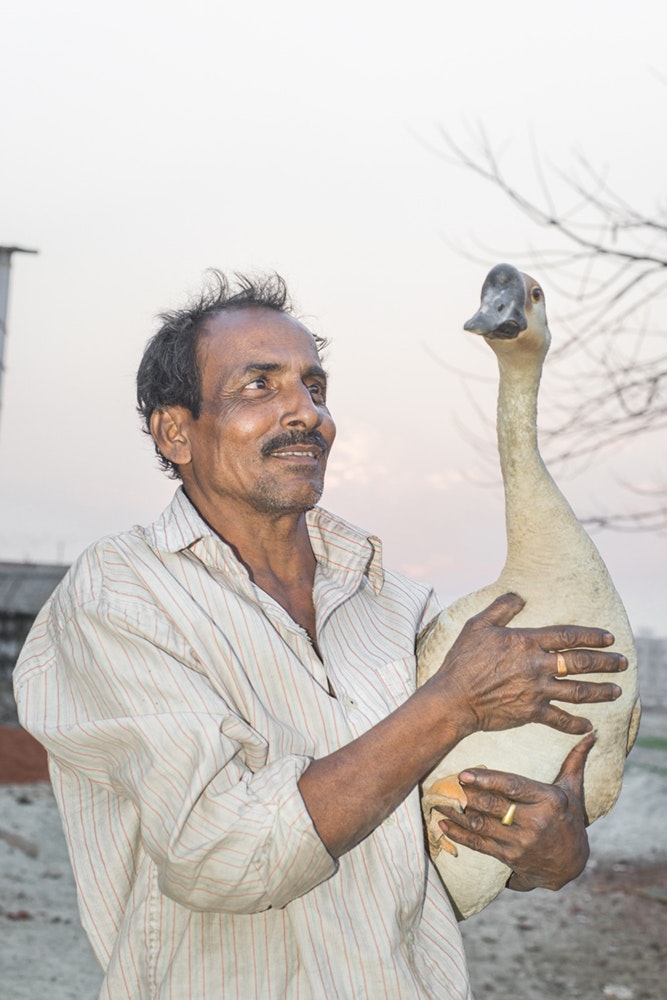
{"x": 228, "y": 700}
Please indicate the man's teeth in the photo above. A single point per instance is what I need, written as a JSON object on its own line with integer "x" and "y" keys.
{"x": 298, "y": 454}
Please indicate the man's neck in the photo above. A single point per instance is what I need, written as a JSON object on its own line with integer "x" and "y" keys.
{"x": 276, "y": 551}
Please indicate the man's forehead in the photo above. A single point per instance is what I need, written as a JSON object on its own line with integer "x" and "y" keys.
{"x": 254, "y": 323}
{"x": 236, "y": 339}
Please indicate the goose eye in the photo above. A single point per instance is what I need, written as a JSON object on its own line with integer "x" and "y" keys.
{"x": 536, "y": 294}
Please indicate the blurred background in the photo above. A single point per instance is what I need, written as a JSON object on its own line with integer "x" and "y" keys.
{"x": 373, "y": 155}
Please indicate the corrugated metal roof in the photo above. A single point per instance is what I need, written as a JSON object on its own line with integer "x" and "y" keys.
{"x": 25, "y": 587}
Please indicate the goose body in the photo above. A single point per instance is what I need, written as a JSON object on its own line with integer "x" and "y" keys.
{"x": 554, "y": 565}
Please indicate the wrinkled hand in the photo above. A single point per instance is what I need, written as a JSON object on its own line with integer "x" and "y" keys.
{"x": 501, "y": 677}
{"x": 547, "y": 844}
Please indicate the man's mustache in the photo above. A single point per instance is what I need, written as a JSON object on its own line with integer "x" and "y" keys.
{"x": 289, "y": 439}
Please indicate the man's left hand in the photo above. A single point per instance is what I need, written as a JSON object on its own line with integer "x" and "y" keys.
{"x": 546, "y": 844}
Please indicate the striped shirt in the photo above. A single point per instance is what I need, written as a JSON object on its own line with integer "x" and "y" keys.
{"x": 180, "y": 705}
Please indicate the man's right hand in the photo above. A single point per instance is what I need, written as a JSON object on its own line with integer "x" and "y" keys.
{"x": 500, "y": 678}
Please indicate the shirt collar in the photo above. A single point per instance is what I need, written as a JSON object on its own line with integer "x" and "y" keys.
{"x": 338, "y": 545}
{"x": 178, "y": 527}
{"x": 343, "y": 548}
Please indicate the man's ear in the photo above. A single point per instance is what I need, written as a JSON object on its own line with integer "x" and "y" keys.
{"x": 169, "y": 431}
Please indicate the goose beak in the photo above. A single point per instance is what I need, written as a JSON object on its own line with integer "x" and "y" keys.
{"x": 502, "y": 314}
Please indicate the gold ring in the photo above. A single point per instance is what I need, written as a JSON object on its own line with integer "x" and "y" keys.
{"x": 508, "y": 818}
{"x": 561, "y": 665}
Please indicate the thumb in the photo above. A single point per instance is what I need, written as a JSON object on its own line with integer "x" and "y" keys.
{"x": 571, "y": 774}
{"x": 501, "y": 611}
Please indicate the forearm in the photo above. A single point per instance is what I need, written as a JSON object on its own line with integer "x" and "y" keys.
{"x": 351, "y": 791}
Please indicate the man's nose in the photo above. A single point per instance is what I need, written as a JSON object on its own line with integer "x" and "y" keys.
{"x": 299, "y": 408}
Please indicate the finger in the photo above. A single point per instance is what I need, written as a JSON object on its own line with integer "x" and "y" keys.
{"x": 501, "y": 611}
{"x": 588, "y": 661}
{"x": 553, "y": 637}
{"x": 480, "y": 800}
{"x": 502, "y": 785}
{"x": 564, "y": 722}
{"x": 481, "y": 824}
{"x": 487, "y": 839}
{"x": 571, "y": 773}
{"x": 582, "y": 692}
{"x": 571, "y": 636}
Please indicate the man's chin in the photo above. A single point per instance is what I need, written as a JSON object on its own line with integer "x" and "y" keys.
{"x": 294, "y": 502}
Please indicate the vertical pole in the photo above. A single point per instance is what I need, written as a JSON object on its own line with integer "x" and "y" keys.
{"x": 5, "y": 265}
{"x": 5, "y": 262}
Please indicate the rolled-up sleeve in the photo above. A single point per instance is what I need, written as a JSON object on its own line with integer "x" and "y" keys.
{"x": 126, "y": 708}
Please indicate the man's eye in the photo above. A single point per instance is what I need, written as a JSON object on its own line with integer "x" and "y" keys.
{"x": 317, "y": 390}
{"x": 257, "y": 383}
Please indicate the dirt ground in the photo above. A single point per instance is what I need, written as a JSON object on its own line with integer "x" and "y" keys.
{"x": 603, "y": 937}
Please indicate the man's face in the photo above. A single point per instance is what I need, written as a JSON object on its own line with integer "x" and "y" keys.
{"x": 264, "y": 433}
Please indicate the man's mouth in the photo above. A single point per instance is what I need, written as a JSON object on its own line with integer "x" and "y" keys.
{"x": 309, "y": 446}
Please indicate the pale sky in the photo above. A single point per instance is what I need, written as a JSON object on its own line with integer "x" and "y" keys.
{"x": 143, "y": 142}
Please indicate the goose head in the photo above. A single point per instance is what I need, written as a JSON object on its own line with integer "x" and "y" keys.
{"x": 512, "y": 315}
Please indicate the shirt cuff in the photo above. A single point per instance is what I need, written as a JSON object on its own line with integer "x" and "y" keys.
{"x": 294, "y": 860}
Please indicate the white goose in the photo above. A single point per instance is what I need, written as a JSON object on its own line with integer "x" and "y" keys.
{"x": 553, "y": 564}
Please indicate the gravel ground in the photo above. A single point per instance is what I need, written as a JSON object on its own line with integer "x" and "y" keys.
{"x": 603, "y": 937}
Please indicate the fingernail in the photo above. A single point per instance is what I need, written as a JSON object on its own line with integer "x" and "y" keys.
{"x": 623, "y": 664}
{"x": 443, "y": 826}
{"x": 608, "y": 638}
{"x": 467, "y": 778}
{"x": 617, "y": 691}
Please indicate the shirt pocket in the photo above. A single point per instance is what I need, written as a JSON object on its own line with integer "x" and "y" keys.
{"x": 397, "y": 680}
